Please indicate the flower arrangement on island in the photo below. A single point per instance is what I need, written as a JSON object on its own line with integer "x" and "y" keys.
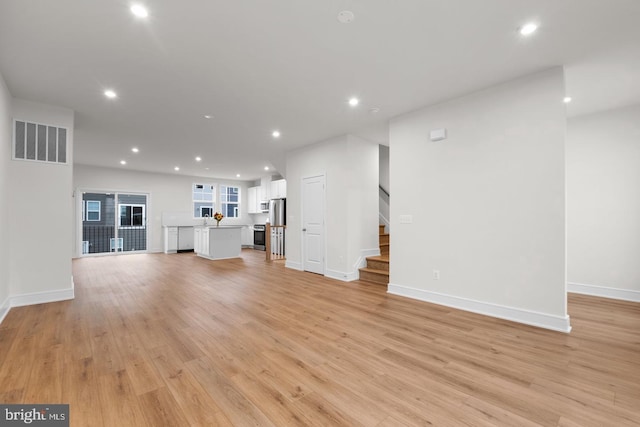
{"x": 218, "y": 217}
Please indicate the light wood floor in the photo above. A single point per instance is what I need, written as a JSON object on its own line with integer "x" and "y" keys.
{"x": 175, "y": 340}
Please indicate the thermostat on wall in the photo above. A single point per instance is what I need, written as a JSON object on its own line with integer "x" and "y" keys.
{"x": 438, "y": 135}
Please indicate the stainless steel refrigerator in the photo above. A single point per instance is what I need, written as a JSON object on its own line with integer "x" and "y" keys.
{"x": 278, "y": 212}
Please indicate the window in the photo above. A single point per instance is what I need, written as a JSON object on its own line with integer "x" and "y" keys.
{"x": 131, "y": 215}
{"x": 93, "y": 210}
{"x": 230, "y": 201}
{"x": 203, "y": 200}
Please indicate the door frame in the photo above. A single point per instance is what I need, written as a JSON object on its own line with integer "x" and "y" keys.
{"x": 324, "y": 220}
{"x": 78, "y": 219}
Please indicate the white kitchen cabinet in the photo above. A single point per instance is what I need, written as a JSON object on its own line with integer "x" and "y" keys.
{"x": 170, "y": 240}
{"x": 197, "y": 239}
{"x": 279, "y": 189}
{"x": 247, "y": 236}
{"x": 265, "y": 189}
{"x": 218, "y": 242}
{"x": 253, "y": 201}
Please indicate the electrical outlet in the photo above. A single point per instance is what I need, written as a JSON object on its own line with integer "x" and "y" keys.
{"x": 436, "y": 274}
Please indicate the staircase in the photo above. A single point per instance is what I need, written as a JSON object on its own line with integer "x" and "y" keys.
{"x": 377, "y": 269}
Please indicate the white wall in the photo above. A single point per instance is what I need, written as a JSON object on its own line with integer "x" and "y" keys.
{"x": 603, "y": 203}
{"x": 487, "y": 204}
{"x": 40, "y": 215}
{"x": 350, "y": 166}
{"x": 5, "y": 160}
{"x": 167, "y": 193}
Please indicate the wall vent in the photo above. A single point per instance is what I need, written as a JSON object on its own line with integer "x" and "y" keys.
{"x": 38, "y": 142}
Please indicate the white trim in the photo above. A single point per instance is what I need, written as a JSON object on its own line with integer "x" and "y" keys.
{"x": 362, "y": 261}
{"x": 43, "y": 297}
{"x": 355, "y": 273}
{"x": 4, "y": 308}
{"x": 604, "y": 291}
{"x": 293, "y": 265}
{"x": 541, "y": 320}
{"x": 340, "y": 275}
{"x": 385, "y": 221}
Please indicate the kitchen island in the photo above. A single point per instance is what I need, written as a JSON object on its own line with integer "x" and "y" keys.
{"x": 217, "y": 242}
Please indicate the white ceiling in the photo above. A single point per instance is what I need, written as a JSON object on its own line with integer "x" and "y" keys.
{"x": 258, "y": 65}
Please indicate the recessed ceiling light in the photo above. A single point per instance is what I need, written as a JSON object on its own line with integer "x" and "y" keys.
{"x": 139, "y": 10}
{"x": 275, "y": 134}
{"x": 135, "y": 149}
{"x": 176, "y": 169}
{"x": 237, "y": 175}
{"x": 346, "y": 17}
{"x": 528, "y": 29}
{"x": 109, "y": 93}
{"x": 198, "y": 158}
{"x": 354, "y": 101}
{"x": 566, "y": 99}
{"x": 123, "y": 162}
{"x": 266, "y": 168}
{"x": 208, "y": 116}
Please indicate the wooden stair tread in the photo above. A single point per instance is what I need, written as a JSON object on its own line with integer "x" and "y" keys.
{"x": 375, "y": 271}
{"x": 381, "y": 258}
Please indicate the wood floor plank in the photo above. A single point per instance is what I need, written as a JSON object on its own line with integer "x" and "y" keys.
{"x": 79, "y": 386}
{"x": 237, "y": 407}
{"x": 156, "y": 339}
{"x": 195, "y": 403}
{"x": 118, "y": 401}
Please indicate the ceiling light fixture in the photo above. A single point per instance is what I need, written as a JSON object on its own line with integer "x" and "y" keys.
{"x": 354, "y": 101}
{"x": 566, "y": 99}
{"x": 176, "y": 169}
{"x": 198, "y": 158}
{"x": 139, "y": 10}
{"x": 109, "y": 93}
{"x": 135, "y": 150}
{"x": 266, "y": 168}
{"x": 346, "y": 17}
{"x": 123, "y": 162}
{"x": 208, "y": 116}
{"x": 528, "y": 29}
{"x": 276, "y": 134}
{"x": 237, "y": 175}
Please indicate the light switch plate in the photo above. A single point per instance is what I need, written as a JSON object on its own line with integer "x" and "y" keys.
{"x": 406, "y": 219}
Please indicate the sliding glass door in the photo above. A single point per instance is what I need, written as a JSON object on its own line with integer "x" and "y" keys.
{"x": 114, "y": 223}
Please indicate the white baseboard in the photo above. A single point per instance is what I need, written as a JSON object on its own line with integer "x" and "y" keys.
{"x": 42, "y": 297}
{"x": 542, "y": 320}
{"x": 4, "y": 308}
{"x": 354, "y": 274}
{"x": 36, "y": 298}
{"x": 341, "y": 275}
{"x": 293, "y": 265}
{"x": 604, "y": 292}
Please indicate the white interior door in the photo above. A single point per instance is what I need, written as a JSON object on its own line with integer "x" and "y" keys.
{"x": 313, "y": 223}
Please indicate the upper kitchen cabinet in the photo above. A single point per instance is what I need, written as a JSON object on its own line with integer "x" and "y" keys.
{"x": 253, "y": 200}
{"x": 279, "y": 189}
